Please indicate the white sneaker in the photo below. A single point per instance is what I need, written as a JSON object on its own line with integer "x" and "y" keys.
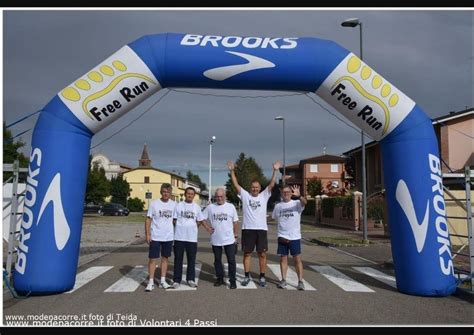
{"x": 164, "y": 285}
{"x": 192, "y": 284}
{"x": 175, "y": 285}
{"x": 150, "y": 287}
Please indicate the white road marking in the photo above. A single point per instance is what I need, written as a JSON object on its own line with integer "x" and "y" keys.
{"x": 89, "y": 274}
{"x": 239, "y": 276}
{"x": 340, "y": 279}
{"x": 184, "y": 285}
{"x": 131, "y": 281}
{"x": 291, "y": 278}
{"x": 380, "y": 276}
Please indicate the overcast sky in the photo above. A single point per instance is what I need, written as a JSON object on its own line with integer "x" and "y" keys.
{"x": 426, "y": 54}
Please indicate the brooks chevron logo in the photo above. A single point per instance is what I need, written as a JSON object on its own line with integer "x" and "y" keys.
{"x": 406, "y": 203}
{"x": 61, "y": 227}
{"x": 28, "y": 217}
{"x": 107, "y": 78}
{"x": 225, "y": 72}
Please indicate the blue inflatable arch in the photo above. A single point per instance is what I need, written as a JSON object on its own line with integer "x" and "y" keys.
{"x": 51, "y": 229}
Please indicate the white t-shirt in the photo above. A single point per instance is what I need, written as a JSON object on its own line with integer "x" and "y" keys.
{"x": 288, "y": 216}
{"x": 161, "y": 214}
{"x": 221, "y": 218}
{"x": 255, "y": 209}
{"x": 187, "y": 215}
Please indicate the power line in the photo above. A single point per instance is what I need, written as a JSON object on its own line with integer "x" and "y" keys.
{"x": 23, "y": 118}
{"x": 327, "y": 110}
{"x": 121, "y": 129}
{"x": 238, "y": 96}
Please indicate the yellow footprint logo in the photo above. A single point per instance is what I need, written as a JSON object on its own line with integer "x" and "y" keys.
{"x": 106, "y": 73}
{"x": 385, "y": 98}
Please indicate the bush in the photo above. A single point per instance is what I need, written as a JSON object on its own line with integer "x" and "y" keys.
{"x": 375, "y": 210}
{"x": 347, "y": 204}
{"x": 310, "y": 208}
{"x": 327, "y": 207}
{"x": 135, "y": 204}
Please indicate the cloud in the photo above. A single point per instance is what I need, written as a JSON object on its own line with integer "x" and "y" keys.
{"x": 426, "y": 54}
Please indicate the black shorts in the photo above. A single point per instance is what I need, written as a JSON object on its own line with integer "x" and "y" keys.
{"x": 254, "y": 238}
{"x": 157, "y": 246}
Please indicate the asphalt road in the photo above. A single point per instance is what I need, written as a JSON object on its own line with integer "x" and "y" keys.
{"x": 98, "y": 301}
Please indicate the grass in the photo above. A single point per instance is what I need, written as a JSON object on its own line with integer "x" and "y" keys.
{"x": 97, "y": 219}
{"x": 340, "y": 240}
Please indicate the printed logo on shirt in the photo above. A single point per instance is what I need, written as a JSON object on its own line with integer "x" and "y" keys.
{"x": 219, "y": 217}
{"x": 287, "y": 213}
{"x": 254, "y": 204}
{"x": 187, "y": 214}
{"x": 165, "y": 213}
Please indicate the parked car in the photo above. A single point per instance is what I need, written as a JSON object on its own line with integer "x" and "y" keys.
{"x": 114, "y": 209}
{"x": 92, "y": 208}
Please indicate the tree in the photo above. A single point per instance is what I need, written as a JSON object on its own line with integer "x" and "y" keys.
{"x": 246, "y": 170}
{"x": 119, "y": 190}
{"x": 98, "y": 187}
{"x": 135, "y": 204}
{"x": 10, "y": 151}
{"x": 194, "y": 178}
{"x": 314, "y": 187}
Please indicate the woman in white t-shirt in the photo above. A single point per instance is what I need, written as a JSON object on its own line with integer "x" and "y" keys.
{"x": 288, "y": 215}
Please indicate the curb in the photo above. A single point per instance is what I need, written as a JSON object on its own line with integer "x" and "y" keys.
{"x": 329, "y": 244}
{"x": 464, "y": 294}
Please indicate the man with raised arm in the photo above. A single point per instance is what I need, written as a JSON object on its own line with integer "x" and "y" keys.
{"x": 254, "y": 224}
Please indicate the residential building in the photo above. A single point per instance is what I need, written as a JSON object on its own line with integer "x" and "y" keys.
{"x": 112, "y": 168}
{"x": 455, "y": 135}
{"x": 329, "y": 169}
{"x": 454, "y": 132}
{"x": 145, "y": 181}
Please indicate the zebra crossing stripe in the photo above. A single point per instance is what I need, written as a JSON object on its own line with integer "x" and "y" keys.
{"x": 239, "y": 276}
{"x": 340, "y": 279}
{"x": 291, "y": 278}
{"x": 131, "y": 281}
{"x": 184, "y": 285}
{"x": 380, "y": 276}
{"x": 89, "y": 274}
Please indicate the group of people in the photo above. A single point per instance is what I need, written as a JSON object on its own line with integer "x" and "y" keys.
{"x": 170, "y": 225}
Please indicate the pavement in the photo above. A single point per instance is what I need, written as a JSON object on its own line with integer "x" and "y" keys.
{"x": 97, "y": 242}
{"x": 378, "y": 250}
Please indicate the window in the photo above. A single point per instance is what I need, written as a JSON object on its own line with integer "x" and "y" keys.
{"x": 334, "y": 167}
{"x": 313, "y": 168}
{"x": 147, "y": 180}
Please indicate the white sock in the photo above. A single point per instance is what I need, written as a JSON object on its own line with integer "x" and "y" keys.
{"x": 150, "y": 280}
{"x": 163, "y": 280}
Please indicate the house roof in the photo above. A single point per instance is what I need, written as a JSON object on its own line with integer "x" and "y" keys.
{"x": 316, "y": 159}
{"x": 453, "y": 115}
{"x": 155, "y": 169}
{"x": 323, "y": 159}
{"x": 294, "y": 166}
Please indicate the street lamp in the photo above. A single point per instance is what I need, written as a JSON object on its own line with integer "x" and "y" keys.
{"x": 352, "y": 23}
{"x": 211, "y": 142}
{"x": 281, "y": 118}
